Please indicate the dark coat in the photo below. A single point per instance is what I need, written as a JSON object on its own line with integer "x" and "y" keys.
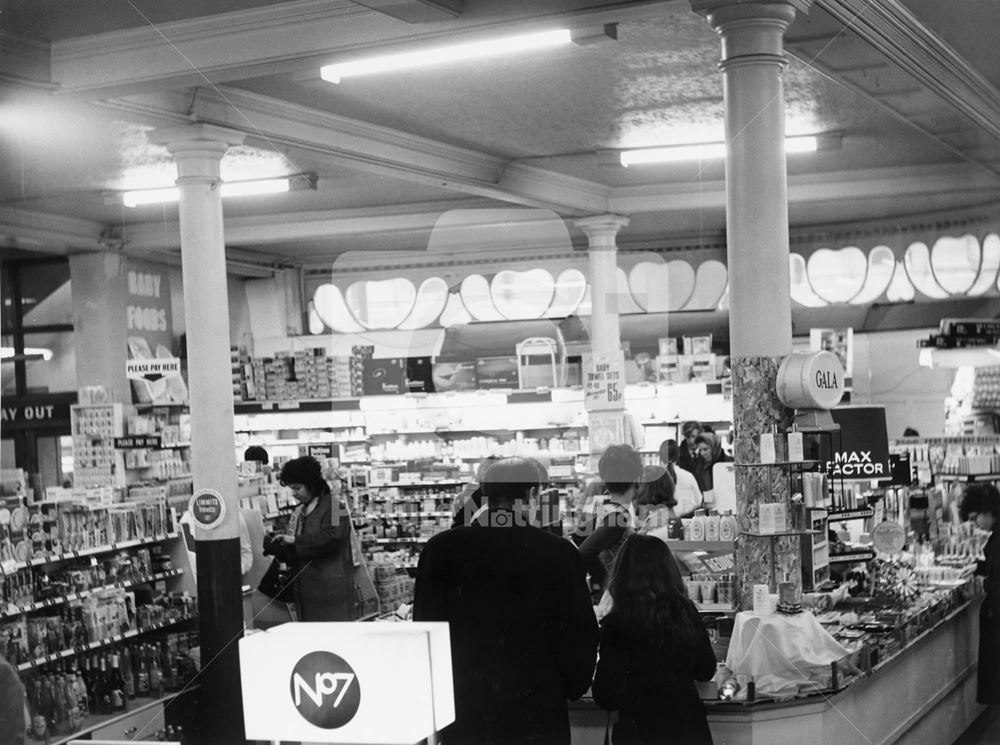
{"x": 652, "y": 686}
{"x": 322, "y": 564}
{"x": 523, "y": 631}
{"x": 988, "y": 688}
{"x": 12, "y": 730}
{"x": 687, "y": 459}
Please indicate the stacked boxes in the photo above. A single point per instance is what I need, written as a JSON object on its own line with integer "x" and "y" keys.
{"x": 357, "y": 368}
{"x": 302, "y": 375}
{"x": 311, "y": 372}
{"x": 393, "y": 586}
{"x": 242, "y": 368}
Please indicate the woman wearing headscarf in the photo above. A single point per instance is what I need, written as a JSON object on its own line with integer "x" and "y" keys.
{"x": 710, "y": 452}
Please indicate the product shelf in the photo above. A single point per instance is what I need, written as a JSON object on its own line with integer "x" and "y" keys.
{"x": 98, "y": 721}
{"x": 15, "y": 610}
{"x": 858, "y": 514}
{"x": 853, "y": 556}
{"x": 101, "y": 643}
{"x": 968, "y": 477}
{"x": 681, "y": 545}
{"x": 94, "y": 551}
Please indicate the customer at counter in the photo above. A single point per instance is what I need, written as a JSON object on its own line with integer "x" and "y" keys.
{"x": 317, "y": 546}
{"x": 620, "y": 468}
{"x": 523, "y": 632}
{"x": 981, "y": 504}
{"x": 653, "y": 647}
{"x": 687, "y": 493}
{"x": 710, "y": 452}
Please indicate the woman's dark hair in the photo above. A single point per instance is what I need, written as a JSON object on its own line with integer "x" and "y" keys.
{"x": 669, "y": 452}
{"x": 980, "y": 498}
{"x": 257, "y": 453}
{"x": 657, "y": 487}
{"x": 620, "y": 468}
{"x": 306, "y": 471}
{"x": 648, "y": 591}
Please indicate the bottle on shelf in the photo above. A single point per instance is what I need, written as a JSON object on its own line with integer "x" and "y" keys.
{"x": 102, "y": 689}
{"x": 119, "y": 701}
{"x": 155, "y": 673}
{"x": 142, "y": 673}
{"x": 698, "y": 525}
{"x": 712, "y": 526}
{"x": 727, "y": 526}
{"x": 128, "y": 675}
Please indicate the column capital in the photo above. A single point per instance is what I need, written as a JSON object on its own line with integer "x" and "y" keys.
{"x": 601, "y": 230}
{"x": 748, "y": 7}
{"x": 197, "y": 148}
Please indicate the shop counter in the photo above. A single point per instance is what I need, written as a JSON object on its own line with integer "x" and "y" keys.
{"x": 925, "y": 693}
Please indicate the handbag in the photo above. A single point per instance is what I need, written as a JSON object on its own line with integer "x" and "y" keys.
{"x": 270, "y": 585}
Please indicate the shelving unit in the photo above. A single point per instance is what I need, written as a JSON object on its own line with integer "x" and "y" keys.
{"x": 79, "y": 612}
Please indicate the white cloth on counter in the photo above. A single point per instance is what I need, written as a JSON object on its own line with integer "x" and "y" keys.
{"x": 786, "y": 654}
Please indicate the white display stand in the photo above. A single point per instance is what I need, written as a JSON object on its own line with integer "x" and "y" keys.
{"x": 370, "y": 683}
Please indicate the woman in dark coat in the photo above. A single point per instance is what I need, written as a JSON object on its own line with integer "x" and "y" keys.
{"x": 981, "y": 504}
{"x": 653, "y": 647}
{"x": 318, "y": 546}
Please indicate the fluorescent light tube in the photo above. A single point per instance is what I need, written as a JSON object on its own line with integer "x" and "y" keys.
{"x": 440, "y": 55}
{"x": 704, "y": 151}
{"x": 229, "y": 189}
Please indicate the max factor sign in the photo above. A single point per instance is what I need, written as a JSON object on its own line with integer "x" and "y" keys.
{"x": 153, "y": 369}
{"x": 858, "y": 464}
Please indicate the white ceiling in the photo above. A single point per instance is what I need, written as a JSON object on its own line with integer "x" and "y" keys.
{"x": 911, "y": 86}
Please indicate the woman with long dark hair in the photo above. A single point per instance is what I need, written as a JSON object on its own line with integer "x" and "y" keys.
{"x": 653, "y": 647}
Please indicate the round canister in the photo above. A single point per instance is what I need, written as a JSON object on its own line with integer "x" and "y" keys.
{"x": 810, "y": 380}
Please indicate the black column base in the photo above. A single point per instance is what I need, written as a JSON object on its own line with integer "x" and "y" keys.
{"x": 220, "y": 609}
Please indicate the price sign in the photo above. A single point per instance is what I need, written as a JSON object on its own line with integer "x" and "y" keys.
{"x": 605, "y": 384}
{"x": 207, "y": 508}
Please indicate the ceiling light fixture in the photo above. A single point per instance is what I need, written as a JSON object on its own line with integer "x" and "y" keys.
{"x": 440, "y": 55}
{"x": 712, "y": 150}
{"x": 229, "y": 189}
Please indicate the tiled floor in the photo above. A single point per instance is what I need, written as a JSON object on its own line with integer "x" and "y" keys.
{"x": 984, "y": 731}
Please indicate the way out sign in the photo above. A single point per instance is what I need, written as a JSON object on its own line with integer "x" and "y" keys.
{"x": 153, "y": 369}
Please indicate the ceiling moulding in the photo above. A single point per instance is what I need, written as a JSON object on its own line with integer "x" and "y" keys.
{"x": 899, "y": 36}
{"x": 899, "y": 230}
{"x": 417, "y": 11}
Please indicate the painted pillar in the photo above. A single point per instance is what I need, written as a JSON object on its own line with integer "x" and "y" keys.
{"x": 605, "y": 375}
{"x": 198, "y": 150}
{"x": 760, "y": 315}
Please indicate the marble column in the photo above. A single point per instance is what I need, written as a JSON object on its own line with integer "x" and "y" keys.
{"x": 760, "y": 320}
{"x": 197, "y": 150}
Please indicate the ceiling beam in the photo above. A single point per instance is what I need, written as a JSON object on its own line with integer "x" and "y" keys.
{"x": 289, "y": 37}
{"x": 370, "y": 148}
{"x": 39, "y": 231}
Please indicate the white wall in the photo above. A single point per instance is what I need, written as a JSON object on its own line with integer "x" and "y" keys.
{"x": 886, "y": 373}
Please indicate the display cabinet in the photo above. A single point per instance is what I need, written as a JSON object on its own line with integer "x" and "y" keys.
{"x": 99, "y": 622}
